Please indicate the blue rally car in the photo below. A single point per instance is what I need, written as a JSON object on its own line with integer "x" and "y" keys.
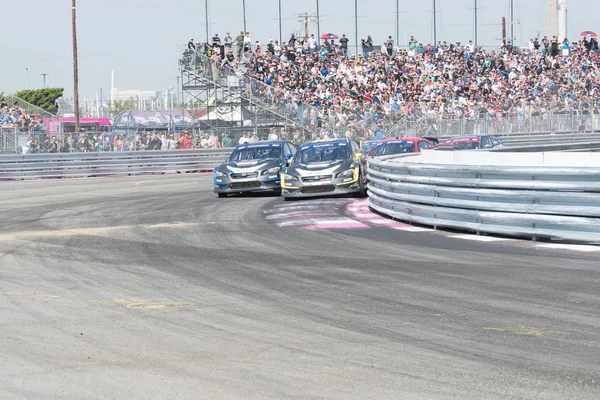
{"x": 253, "y": 167}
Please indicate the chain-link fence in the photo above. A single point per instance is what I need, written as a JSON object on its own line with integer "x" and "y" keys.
{"x": 14, "y": 141}
{"x": 8, "y": 141}
{"x": 452, "y": 126}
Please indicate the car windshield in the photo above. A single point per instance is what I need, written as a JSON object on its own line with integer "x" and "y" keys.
{"x": 322, "y": 152}
{"x": 465, "y": 145}
{"x": 249, "y": 153}
{"x": 395, "y": 147}
{"x": 367, "y": 146}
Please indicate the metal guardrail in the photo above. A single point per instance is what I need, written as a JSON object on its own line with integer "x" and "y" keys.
{"x": 535, "y": 202}
{"x": 73, "y": 165}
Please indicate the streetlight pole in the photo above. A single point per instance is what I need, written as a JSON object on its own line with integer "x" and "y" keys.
{"x": 397, "y": 22}
{"x": 318, "y": 25}
{"x": 178, "y": 92}
{"x": 75, "y": 67}
{"x": 356, "y": 26}
{"x": 44, "y": 75}
{"x": 476, "y": 27}
{"x": 434, "y": 22}
{"x": 512, "y": 23}
{"x": 244, "y": 12}
{"x": 280, "y": 36}
{"x": 206, "y": 20}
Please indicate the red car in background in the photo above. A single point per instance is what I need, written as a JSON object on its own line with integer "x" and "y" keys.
{"x": 388, "y": 147}
{"x": 474, "y": 142}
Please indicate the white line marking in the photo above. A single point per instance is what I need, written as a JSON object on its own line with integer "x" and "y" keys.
{"x": 298, "y": 214}
{"x": 320, "y": 221}
{"x": 298, "y": 208}
{"x": 358, "y": 209}
{"x": 382, "y": 221}
{"x": 413, "y": 229}
{"x": 479, "y": 238}
{"x": 312, "y": 203}
{"x": 573, "y": 247}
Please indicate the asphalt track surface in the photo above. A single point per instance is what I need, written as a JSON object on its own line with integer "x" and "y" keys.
{"x": 152, "y": 288}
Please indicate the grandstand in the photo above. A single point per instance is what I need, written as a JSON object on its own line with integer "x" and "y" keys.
{"x": 548, "y": 86}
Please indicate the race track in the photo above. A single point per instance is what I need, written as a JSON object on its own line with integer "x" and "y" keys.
{"x": 152, "y": 288}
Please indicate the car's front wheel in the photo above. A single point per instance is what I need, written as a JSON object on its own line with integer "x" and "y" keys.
{"x": 362, "y": 192}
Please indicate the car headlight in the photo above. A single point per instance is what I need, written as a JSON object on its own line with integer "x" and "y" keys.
{"x": 220, "y": 174}
{"x": 290, "y": 178}
{"x": 271, "y": 171}
{"x": 345, "y": 174}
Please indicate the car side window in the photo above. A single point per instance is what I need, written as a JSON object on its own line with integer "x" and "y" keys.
{"x": 290, "y": 149}
{"x": 355, "y": 148}
{"x": 486, "y": 143}
{"x": 423, "y": 145}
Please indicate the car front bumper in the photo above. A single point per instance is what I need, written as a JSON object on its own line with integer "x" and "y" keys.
{"x": 332, "y": 188}
{"x": 246, "y": 185}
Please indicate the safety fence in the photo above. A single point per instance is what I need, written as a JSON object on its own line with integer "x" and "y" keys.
{"x": 74, "y": 165}
{"x": 534, "y": 202}
{"x": 443, "y": 126}
{"x": 14, "y": 141}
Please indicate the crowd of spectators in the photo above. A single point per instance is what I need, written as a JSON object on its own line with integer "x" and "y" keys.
{"x": 139, "y": 141}
{"x": 149, "y": 141}
{"x": 14, "y": 117}
{"x": 438, "y": 81}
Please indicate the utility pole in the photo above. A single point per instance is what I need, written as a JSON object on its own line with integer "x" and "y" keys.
{"x": 305, "y": 19}
{"x": 244, "y": 15}
{"x": 318, "y": 25}
{"x": 75, "y": 68}
{"x": 44, "y": 75}
{"x": 503, "y": 30}
{"x": 27, "y": 76}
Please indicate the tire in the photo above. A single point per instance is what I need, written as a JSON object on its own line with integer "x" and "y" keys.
{"x": 362, "y": 193}
{"x": 222, "y": 195}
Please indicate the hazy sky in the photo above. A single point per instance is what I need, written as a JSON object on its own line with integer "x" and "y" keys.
{"x": 139, "y": 39}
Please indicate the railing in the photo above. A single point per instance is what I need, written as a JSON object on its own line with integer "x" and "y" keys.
{"x": 446, "y": 126}
{"x": 8, "y": 141}
{"x": 16, "y": 141}
{"x": 28, "y": 107}
{"x": 534, "y": 202}
{"x": 75, "y": 165}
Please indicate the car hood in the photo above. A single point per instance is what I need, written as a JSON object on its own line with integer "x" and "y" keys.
{"x": 319, "y": 168}
{"x": 249, "y": 166}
